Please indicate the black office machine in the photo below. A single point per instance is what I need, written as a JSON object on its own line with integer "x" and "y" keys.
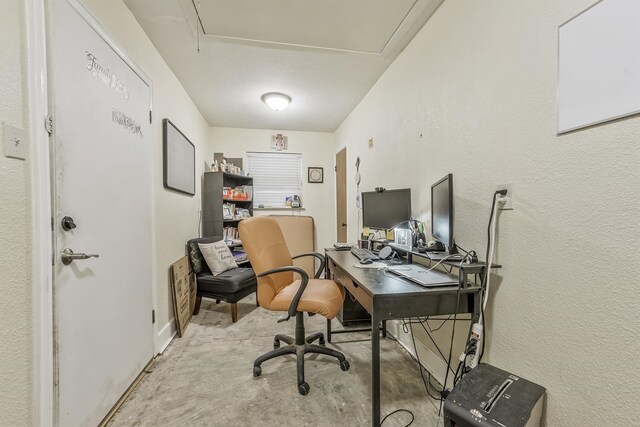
{"x": 489, "y": 396}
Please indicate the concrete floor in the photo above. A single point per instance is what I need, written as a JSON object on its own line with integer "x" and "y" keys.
{"x": 206, "y": 378}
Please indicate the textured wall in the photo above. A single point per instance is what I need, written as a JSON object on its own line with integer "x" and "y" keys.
{"x": 317, "y": 199}
{"x": 16, "y": 323}
{"x": 479, "y": 83}
{"x": 176, "y": 215}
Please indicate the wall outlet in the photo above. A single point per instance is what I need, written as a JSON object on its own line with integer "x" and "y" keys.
{"x": 509, "y": 204}
{"x": 15, "y": 143}
{"x": 370, "y": 143}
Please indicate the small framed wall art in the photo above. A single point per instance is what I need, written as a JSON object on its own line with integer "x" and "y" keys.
{"x": 315, "y": 175}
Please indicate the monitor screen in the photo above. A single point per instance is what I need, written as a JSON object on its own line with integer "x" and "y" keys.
{"x": 386, "y": 209}
{"x": 442, "y": 211}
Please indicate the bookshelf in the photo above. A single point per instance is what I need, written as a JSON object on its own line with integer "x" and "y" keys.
{"x": 226, "y": 199}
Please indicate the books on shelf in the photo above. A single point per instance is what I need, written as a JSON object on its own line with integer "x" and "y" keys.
{"x": 230, "y": 234}
{"x": 231, "y": 211}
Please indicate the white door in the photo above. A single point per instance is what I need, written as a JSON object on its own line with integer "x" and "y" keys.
{"x": 102, "y": 159}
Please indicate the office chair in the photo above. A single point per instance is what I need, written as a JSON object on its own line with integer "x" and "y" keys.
{"x": 278, "y": 291}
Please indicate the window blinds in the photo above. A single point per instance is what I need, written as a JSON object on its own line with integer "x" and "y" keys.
{"x": 275, "y": 176}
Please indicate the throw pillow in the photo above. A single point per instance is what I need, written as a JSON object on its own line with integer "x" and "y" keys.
{"x": 196, "y": 257}
{"x": 217, "y": 256}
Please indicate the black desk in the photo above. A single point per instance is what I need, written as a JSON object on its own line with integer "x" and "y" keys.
{"x": 387, "y": 297}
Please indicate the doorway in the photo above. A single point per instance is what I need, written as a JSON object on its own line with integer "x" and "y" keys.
{"x": 341, "y": 195}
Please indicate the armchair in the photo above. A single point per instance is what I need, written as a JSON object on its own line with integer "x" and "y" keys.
{"x": 230, "y": 286}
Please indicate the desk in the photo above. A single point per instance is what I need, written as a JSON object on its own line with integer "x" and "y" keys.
{"x": 388, "y": 297}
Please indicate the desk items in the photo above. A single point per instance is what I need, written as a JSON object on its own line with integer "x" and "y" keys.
{"x": 342, "y": 246}
{"x": 370, "y": 264}
{"x": 423, "y": 276}
{"x": 361, "y": 254}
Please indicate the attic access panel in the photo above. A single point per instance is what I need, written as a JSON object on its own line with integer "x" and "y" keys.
{"x": 355, "y": 25}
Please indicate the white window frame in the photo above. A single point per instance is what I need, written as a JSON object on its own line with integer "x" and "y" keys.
{"x": 275, "y": 176}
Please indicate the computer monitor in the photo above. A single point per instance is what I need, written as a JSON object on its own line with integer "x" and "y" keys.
{"x": 442, "y": 212}
{"x": 386, "y": 209}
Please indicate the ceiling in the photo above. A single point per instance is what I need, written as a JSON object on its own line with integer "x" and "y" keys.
{"x": 325, "y": 55}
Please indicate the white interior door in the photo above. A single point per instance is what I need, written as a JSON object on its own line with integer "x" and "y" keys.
{"x": 102, "y": 158}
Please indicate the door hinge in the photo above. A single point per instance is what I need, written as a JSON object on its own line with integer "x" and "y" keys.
{"x": 153, "y": 316}
{"x": 335, "y": 168}
{"x": 150, "y": 117}
{"x": 48, "y": 124}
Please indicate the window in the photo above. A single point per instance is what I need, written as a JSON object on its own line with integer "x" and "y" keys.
{"x": 275, "y": 176}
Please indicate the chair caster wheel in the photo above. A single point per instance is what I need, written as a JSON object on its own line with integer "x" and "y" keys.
{"x": 276, "y": 344}
{"x": 303, "y": 389}
{"x": 344, "y": 365}
{"x": 257, "y": 371}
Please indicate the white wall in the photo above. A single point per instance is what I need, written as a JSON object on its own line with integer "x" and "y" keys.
{"x": 317, "y": 149}
{"x": 176, "y": 214}
{"x": 16, "y": 320}
{"x": 479, "y": 83}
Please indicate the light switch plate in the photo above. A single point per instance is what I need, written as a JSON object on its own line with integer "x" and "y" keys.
{"x": 15, "y": 143}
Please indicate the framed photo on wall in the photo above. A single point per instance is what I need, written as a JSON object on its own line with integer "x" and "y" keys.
{"x": 315, "y": 175}
{"x": 179, "y": 162}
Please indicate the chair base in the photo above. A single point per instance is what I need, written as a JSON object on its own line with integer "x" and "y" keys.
{"x": 299, "y": 346}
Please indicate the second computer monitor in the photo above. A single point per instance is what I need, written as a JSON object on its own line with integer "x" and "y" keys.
{"x": 442, "y": 212}
{"x": 386, "y": 209}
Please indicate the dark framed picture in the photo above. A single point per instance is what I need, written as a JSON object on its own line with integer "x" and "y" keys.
{"x": 179, "y": 160}
{"x": 315, "y": 175}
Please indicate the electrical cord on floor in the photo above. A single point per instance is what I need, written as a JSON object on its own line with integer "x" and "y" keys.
{"x": 397, "y": 411}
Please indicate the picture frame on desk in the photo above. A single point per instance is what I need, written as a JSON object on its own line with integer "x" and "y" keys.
{"x": 403, "y": 238}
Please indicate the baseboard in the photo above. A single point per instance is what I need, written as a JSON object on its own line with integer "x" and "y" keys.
{"x": 429, "y": 360}
{"x": 165, "y": 336}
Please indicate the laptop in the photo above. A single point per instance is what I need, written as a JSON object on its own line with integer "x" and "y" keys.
{"x": 422, "y": 276}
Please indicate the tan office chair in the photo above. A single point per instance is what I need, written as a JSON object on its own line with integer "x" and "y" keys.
{"x": 278, "y": 291}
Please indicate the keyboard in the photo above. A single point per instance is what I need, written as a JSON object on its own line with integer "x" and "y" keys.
{"x": 364, "y": 253}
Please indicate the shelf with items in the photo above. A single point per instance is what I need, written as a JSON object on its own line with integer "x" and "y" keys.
{"x": 239, "y": 193}
{"x": 227, "y": 199}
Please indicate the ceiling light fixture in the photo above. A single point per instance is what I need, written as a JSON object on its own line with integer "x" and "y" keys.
{"x": 276, "y": 101}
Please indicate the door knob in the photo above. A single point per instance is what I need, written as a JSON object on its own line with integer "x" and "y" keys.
{"x": 68, "y": 256}
{"x": 344, "y": 225}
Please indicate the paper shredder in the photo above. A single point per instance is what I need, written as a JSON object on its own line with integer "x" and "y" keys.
{"x": 489, "y": 396}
